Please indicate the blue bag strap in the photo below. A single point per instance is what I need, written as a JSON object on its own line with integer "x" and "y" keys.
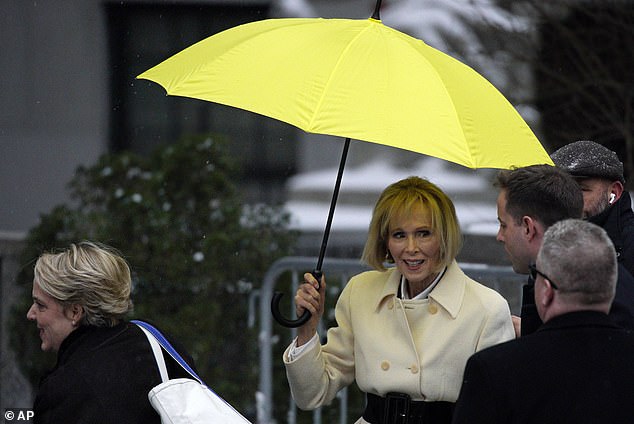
{"x": 168, "y": 348}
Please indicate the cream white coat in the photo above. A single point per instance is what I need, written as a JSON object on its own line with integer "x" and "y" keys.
{"x": 418, "y": 347}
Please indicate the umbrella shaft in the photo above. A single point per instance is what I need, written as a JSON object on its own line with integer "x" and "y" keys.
{"x": 377, "y": 11}
{"x": 333, "y": 203}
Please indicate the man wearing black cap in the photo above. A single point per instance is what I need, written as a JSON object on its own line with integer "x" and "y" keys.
{"x": 599, "y": 173}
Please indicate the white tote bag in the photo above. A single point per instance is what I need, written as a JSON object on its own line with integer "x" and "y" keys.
{"x": 185, "y": 400}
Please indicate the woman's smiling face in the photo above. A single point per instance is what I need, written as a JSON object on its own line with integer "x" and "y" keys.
{"x": 53, "y": 321}
{"x": 415, "y": 247}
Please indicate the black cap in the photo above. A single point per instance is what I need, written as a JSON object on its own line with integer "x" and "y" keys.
{"x": 590, "y": 160}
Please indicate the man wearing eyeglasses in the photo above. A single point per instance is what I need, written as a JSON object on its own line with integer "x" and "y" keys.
{"x": 531, "y": 199}
{"x": 577, "y": 368}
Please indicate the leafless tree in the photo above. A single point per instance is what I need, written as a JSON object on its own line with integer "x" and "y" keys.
{"x": 582, "y": 61}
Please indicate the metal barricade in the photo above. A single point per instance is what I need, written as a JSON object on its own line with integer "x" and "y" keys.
{"x": 338, "y": 271}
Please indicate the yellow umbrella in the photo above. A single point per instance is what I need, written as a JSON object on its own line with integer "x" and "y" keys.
{"x": 357, "y": 79}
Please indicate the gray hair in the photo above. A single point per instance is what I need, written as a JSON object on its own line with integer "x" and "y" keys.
{"x": 580, "y": 258}
{"x": 92, "y": 275}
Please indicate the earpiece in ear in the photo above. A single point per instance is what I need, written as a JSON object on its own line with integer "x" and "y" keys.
{"x": 612, "y": 198}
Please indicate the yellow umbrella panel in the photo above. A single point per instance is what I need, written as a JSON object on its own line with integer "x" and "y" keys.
{"x": 357, "y": 79}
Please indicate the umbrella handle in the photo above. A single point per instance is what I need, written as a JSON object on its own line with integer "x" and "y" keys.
{"x": 275, "y": 307}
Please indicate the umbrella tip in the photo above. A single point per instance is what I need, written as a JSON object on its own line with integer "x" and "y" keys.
{"x": 377, "y": 11}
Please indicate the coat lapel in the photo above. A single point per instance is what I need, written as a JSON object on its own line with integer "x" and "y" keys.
{"x": 449, "y": 292}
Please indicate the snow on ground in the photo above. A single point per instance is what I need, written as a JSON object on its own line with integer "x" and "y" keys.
{"x": 377, "y": 174}
{"x": 310, "y": 195}
{"x": 311, "y": 216}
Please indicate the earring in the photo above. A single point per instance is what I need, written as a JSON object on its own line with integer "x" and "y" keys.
{"x": 388, "y": 258}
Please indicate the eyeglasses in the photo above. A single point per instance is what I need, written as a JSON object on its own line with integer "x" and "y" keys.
{"x": 534, "y": 271}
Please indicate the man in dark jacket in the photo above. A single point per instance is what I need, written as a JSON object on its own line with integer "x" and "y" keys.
{"x": 599, "y": 173}
{"x": 577, "y": 368}
{"x": 531, "y": 199}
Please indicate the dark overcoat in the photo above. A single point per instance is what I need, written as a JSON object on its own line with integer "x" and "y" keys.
{"x": 577, "y": 368}
{"x": 618, "y": 222}
{"x": 103, "y": 376}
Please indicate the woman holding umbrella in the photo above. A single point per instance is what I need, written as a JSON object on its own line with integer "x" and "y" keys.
{"x": 404, "y": 333}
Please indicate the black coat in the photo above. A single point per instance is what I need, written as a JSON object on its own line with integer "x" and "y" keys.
{"x": 577, "y": 368}
{"x": 102, "y": 376}
{"x": 621, "y": 312}
{"x": 618, "y": 222}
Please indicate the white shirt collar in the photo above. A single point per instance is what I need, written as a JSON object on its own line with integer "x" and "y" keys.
{"x": 404, "y": 293}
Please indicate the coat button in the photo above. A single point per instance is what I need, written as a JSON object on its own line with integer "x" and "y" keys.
{"x": 385, "y": 365}
{"x": 433, "y": 309}
{"x": 414, "y": 369}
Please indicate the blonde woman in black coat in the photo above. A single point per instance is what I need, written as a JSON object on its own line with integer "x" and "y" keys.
{"x": 105, "y": 366}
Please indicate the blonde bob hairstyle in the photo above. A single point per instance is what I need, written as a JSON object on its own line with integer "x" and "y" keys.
{"x": 91, "y": 275}
{"x": 398, "y": 200}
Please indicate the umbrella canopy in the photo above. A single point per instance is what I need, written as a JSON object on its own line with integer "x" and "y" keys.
{"x": 357, "y": 79}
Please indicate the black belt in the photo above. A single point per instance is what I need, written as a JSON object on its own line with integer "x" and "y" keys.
{"x": 398, "y": 408}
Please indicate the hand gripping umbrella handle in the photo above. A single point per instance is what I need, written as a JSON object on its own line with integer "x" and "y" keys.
{"x": 275, "y": 307}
